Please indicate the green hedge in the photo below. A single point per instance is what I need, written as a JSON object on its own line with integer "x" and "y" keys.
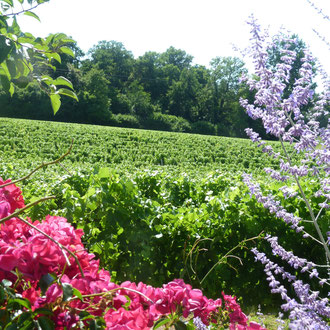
{"x": 163, "y": 122}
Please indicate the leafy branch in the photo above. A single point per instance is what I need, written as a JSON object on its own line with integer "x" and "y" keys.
{"x": 22, "y": 11}
{"x": 62, "y": 247}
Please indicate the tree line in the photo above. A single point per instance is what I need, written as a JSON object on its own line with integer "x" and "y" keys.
{"x": 161, "y": 91}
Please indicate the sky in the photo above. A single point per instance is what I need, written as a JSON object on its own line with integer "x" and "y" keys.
{"x": 203, "y": 28}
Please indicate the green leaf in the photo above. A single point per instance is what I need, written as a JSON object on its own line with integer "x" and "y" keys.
{"x": 47, "y": 80}
{"x": 5, "y": 48}
{"x": 29, "y": 35}
{"x": 77, "y": 293}
{"x": 11, "y": 67}
{"x": 67, "y": 92}
{"x": 55, "y": 100}
{"x": 14, "y": 28}
{"x": 67, "y": 291}
{"x": 104, "y": 173}
{"x": 43, "y": 311}
{"x": 68, "y": 41}
{"x": 3, "y": 22}
{"x": 22, "y": 302}
{"x": 161, "y": 322}
{"x": 11, "y": 89}
{"x": 54, "y": 56}
{"x": 62, "y": 81}
{"x": 22, "y": 68}
{"x": 25, "y": 320}
{"x": 83, "y": 315}
{"x": 4, "y": 70}
{"x": 2, "y": 295}
{"x": 67, "y": 50}
{"x": 97, "y": 324}
{"x": 10, "y": 2}
{"x": 46, "y": 281}
{"x": 5, "y": 82}
{"x": 11, "y": 326}
{"x": 180, "y": 326}
{"x": 30, "y": 13}
{"x": 21, "y": 82}
{"x": 45, "y": 323}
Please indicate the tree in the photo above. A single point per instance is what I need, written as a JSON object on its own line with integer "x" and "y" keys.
{"x": 183, "y": 95}
{"x": 114, "y": 60}
{"x": 22, "y": 55}
{"x": 176, "y": 57}
{"x": 148, "y": 73}
{"x": 95, "y": 103}
{"x": 225, "y": 76}
{"x": 140, "y": 101}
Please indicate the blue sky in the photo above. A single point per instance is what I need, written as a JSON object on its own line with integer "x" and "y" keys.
{"x": 203, "y": 28}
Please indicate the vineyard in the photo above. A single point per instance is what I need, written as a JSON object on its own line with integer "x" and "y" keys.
{"x": 31, "y": 142}
{"x": 154, "y": 205}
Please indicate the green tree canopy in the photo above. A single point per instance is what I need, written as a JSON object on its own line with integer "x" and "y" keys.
{"x": 23, "y": 56}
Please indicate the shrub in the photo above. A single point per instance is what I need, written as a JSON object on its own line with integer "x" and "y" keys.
{"x": 163, "y": 122}
{"x": 121, "y": 120}
{"x": 203, "y": 127}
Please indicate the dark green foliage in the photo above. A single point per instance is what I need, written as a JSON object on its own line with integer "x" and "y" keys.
{"x": 124, "y": 120}
{"x": 163, "y": 122}
{"x": 204, "y": 127}
{"x": 16, "y": 312}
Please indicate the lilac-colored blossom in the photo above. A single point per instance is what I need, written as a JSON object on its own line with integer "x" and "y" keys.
{"x": 284, "y": 117}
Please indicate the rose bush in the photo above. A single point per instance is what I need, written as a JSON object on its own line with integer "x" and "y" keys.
{"x": 59, "y": 278}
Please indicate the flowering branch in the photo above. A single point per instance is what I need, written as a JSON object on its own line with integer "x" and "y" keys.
{"x": 314, "y": 219}
{"x": 104, "y": 294}
{"x": 283, "y": 118}
{"x": 319, "y": 10}
{"x": 62, "y": 247}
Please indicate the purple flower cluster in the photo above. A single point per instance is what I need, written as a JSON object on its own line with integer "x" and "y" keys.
{"x": 282, "y": 117}
{"x": 308, "y": 310}
{"x": 270, "y": 203}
